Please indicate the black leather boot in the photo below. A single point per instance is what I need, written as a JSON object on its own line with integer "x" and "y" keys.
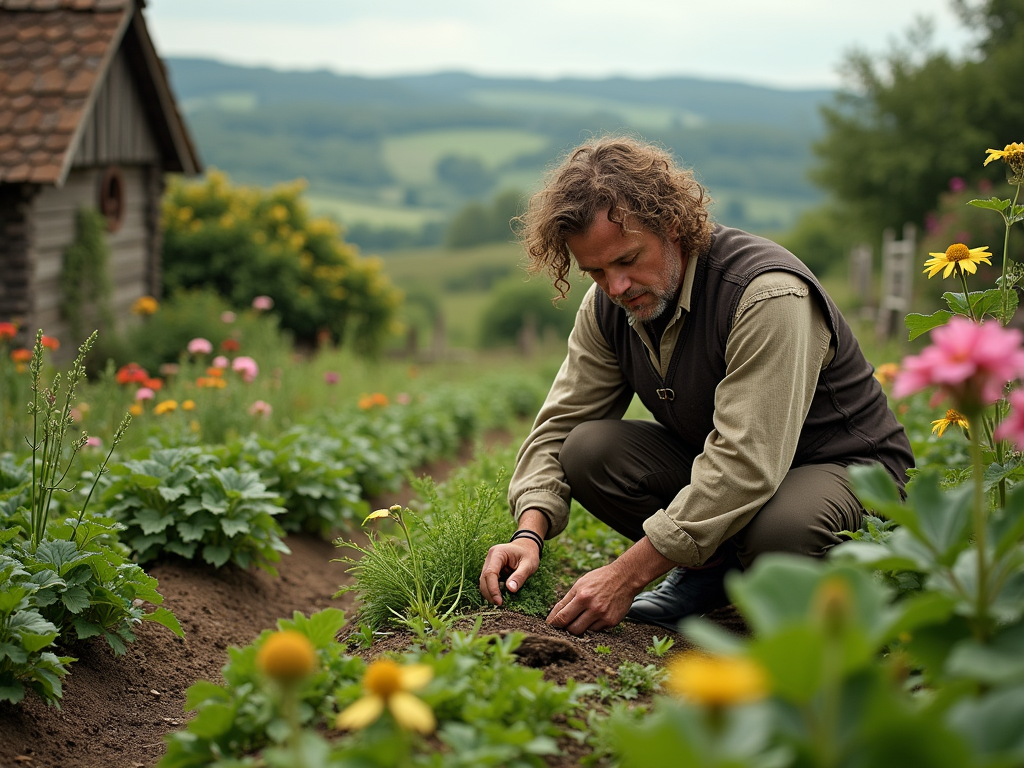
{"x": 684, "y": 592}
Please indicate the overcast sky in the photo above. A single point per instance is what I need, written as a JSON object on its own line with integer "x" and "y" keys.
{"x": 788, "y": 43}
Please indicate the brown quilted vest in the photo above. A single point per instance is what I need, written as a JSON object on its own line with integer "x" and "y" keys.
{"x": 849, "y": 420}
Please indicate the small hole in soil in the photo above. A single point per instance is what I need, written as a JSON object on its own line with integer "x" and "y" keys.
{"x": 536, "y": 651}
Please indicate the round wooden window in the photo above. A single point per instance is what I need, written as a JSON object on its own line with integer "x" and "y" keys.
{"x": 112, "y": 204}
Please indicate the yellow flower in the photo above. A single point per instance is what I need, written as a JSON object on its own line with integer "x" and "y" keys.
{"x": 193, "y": 425}
{"x": 188, "y": 405}
{"x": 145, "y": 305}
{"x": 952, "y": 417}
{"x": 957, "y": 256}
{"x": 886, "y": 373}
{"x": 135, "y": 409}
{"x": 716, "y": 681}
{"x": 287, "y": 656}
{"x": 386, "y": 684}
{"x": 167, "y": 406}
{"x": 1013, "y": 156}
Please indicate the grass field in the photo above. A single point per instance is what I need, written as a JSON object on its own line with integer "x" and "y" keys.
{"x": 376, "y": 214}
{"x": 413, "y": 158}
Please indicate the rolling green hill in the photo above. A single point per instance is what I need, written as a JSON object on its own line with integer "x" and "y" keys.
{"x": 381, "y": 153}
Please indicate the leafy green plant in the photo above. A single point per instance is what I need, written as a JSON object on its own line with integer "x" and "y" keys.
{"x": 303, "y": 468}
{"x": 85, "y": 273}
{"x": 25, "y": 636}
{"x": 660, "y": 645}
{"x": 181, "y": 501}
{"x": 244, "y": 713}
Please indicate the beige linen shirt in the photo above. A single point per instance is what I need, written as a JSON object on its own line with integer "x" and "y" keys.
{"x": 779, "y": 343}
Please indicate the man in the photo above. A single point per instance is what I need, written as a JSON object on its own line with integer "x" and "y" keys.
{"x": 760, "y": 394}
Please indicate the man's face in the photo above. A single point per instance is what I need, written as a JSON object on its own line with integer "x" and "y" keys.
{"x": 638, "y": 270}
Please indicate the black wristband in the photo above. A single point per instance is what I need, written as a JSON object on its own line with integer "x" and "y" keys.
{"x": 525, "y": 533}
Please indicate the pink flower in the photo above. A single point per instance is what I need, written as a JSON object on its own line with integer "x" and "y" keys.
{"x": 227, "y": 317}
{"x": 403, "y": 398}
{"x": 145, "y": 393}
{"x": 331, "y": 377}
{"x": 967, "y": 361}
{"x": 93, "y": 442}
{"x": 1012, "y": 428}
{"x": 260, "y": 408}
{"x": 262, "y": 303}
{"x": 956, "y": 184}
{"x": 199, "y": 346}
{"x": 246, "y": 366}
{"x": 221, "y": 362}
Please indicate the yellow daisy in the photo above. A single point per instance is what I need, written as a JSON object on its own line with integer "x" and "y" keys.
{"x": 952, "y": 418}
{"x": 1011, "y": 154}
{"x": 388, "y": 685}
{"x": 957, "y": 256}
{"x": 716, "y": 681}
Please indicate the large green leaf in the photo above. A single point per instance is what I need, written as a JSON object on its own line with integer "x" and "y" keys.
{"x": 917, "y": 323}
{"x": 321, "y": 628}
{"x": 992, "y": 723}
{"x": 876, "y": 490}
{"x": 152, "y": 521}
{"x": 1006, "y": 526}
{"x": 167, "y": 619}
{"x": 216, "y": 554}
{"x": 75, "y": 599}
{"x": 998, "y": 662}
{"x": 942, "y": 519}
{"x": 992, "y": 204}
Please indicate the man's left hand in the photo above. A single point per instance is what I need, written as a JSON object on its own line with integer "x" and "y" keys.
{"x": 597, "y": 600}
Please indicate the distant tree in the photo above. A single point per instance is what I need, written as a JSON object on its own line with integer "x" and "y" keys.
{"x": 915, "y": 117}
{"x": 476, "y": 224}
{"x": 513, "y": 303}
{"x": 468, "y": 175}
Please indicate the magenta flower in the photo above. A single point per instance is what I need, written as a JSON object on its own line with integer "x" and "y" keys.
{"x": 199, "y": 346}
{"x": 221, "y": 362}
{"x": 262, "y": 303}
{"x": 967, "y": 361}
{"x": 331, "y": 377}
{"x": 145, "y": 393}
{"x": 1012, "y": 428}
{"x": 260, "y": 408}
{"x": 247, "y": 367}
{"x": 956, "y": 184}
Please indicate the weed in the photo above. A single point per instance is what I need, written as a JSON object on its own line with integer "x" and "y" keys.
{"x": 660, "y": 645}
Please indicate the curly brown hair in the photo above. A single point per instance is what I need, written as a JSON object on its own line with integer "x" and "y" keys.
{"x": 639, "y": 183}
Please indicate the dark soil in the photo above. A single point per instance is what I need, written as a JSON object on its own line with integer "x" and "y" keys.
{"x": 116, "y": 710}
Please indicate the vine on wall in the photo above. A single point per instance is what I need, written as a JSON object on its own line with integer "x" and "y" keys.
{"x": 85, "y": 277}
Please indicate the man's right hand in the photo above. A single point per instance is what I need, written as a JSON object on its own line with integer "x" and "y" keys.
{"x": 516, "y": 561}
{"x": 518, "y": 558}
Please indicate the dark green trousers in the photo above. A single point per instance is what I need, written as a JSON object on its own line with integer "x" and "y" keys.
{"x": 623, "y": 472}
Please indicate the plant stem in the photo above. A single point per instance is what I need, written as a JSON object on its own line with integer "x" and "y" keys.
{"x": 1003, "y": 285}
{"x": 980, "y": 517}
{"x": 967, "y": 294}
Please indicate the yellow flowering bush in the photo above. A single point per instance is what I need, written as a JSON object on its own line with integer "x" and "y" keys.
{"x": 247, "y": 242}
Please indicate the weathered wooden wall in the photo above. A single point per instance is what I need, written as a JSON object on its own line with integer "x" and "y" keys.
{"x": 130, "y": 265}
{"x": 118, "y": 130}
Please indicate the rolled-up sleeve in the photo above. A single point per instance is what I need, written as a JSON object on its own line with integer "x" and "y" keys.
{"x": 776, "y": 349}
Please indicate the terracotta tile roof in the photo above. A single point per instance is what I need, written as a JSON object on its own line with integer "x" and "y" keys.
{"x": 52, "y": 55}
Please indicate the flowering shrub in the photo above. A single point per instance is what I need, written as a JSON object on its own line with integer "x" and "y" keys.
{"x": 242, "y": 240}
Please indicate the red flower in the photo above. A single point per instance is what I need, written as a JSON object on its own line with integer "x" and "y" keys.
{"x": 155, "y": 384}
{"x": 8, "y": 331}
{"x": 50, "y": 342}
{"x": 21, "y": 355}
{"x": 230, "y": 345}
{"x": 133, "y": 373}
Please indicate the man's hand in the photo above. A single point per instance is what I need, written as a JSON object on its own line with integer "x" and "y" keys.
{"x": 601, "y": 598}
{"x": 597, "y": 600}
{"x": 520, "y": 558}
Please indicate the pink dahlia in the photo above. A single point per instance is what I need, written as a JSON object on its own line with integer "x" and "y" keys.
{"x": 967, "y": 361}
{"x": 262, "y": 303}
{"x": 246, "y": 366}
{"x": 260, "y": 408}
{"x": 145, "y": 393}
{"x": 200, "y": 346}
